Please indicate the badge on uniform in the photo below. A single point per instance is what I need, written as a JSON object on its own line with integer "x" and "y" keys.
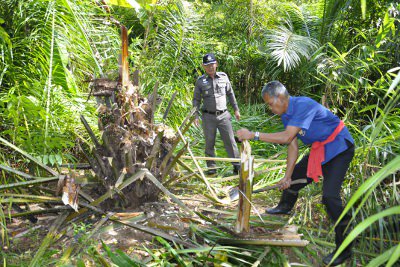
{"x": 204, "y": 80}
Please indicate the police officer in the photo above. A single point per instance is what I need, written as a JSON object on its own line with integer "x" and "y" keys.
{"x": 331, "y": 153}
{"x": 212, "y": 90}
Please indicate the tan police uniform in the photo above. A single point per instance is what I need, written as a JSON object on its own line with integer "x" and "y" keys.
{"x": 213, "y": 95}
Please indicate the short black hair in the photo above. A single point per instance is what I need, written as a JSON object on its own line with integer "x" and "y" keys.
{"x": 274, "y": 89}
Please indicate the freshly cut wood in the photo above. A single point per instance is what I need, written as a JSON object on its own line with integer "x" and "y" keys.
{"x": 245, "y": 188}
{"x": 285, "y": 236}
{"x": 70, "y": 192}
{"x": 264, "y": 241}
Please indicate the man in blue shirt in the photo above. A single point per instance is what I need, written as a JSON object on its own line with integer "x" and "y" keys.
{"x": 330, "y": 155}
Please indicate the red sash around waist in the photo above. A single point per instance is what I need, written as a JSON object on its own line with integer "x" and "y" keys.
{"x": 317, "y": 154}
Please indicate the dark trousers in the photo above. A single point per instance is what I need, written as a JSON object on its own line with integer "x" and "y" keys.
{"x": 334, "y": 172}
{"x": 222, "y": 123}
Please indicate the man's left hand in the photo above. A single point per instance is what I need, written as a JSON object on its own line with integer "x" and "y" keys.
{"x": 244, "y": 134}
{"x": 237, "y": 115}
{"x": 284, "y": 183}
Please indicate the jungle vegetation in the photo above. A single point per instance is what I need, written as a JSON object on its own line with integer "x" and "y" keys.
{"x": 342, "y": 53}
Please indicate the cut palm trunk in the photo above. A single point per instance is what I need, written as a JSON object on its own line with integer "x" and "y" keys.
{"x": 245, "y": 188}
{"x": 286, "y": 236}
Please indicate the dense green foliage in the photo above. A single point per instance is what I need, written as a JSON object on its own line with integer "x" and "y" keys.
{"x": 326, "y": 49}
{"x": 49, "y": 52}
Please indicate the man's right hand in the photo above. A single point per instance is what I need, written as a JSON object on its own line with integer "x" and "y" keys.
{"x": 244, "y": 134}
{"x": 196, "y": 122}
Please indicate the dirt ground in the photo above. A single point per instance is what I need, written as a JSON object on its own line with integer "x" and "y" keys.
{"x": 163, "y": 215}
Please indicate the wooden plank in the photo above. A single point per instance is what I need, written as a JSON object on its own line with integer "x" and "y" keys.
{"x": 233, "y": 159}
{"x": 263, "y": 242}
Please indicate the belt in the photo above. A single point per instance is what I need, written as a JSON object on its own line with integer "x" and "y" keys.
{"x": 217, "y": 113}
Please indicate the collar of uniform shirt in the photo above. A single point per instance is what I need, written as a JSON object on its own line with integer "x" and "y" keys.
{"x": 216, "y": 75}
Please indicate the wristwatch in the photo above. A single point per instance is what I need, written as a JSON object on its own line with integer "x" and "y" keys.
{"x": 256, "y": 136}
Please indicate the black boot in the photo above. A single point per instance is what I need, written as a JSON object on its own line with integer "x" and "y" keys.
{"x": 340, "y": 235}
{"x": 236, "y": 169}
{"x": 288, "y": 199}
{"x": 211, "y": 171}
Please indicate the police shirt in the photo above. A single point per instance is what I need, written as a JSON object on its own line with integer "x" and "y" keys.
{"x": 213, "y": 93}
{"x": 317, "y": 123}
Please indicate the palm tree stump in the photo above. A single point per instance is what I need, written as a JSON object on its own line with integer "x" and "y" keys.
{"x": 130, "y": 140}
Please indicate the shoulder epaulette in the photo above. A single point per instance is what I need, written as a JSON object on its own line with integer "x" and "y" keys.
{"x": 201, "y": 77}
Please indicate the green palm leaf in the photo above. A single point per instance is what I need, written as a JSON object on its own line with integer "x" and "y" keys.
{"x": 395, "y": 257}
{"x": 370, "y": 184}
{"x": 4, "y": 37}
{"x": 381, "y": 259}
{"x": 367, "y": 223}
{"x": 288, "y": 48}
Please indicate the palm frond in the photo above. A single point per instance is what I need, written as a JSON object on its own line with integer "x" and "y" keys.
{"x": 288, "y": 48}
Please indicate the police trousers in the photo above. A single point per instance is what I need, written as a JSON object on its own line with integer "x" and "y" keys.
{"x": 334, "y": 172}
{"x": 222, "y": 122}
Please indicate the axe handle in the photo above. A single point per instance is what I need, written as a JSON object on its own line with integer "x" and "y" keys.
{"x": 298, "y": 181}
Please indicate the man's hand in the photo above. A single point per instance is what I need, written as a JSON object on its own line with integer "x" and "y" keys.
{"x": 284, "y": 183}
{"x": 237, "y": 115}
{"x": 244, "y": 134}
{"x": 196, "y": 122}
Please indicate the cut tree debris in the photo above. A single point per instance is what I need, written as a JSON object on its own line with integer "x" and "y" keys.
{"x": 131, "y": 163}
